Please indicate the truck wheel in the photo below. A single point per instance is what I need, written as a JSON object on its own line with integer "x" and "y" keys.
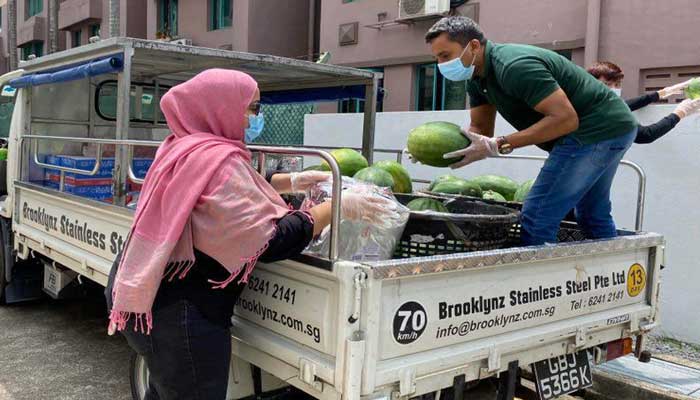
{"x": 138, "y": 377}
{"x": 3, "y": 282}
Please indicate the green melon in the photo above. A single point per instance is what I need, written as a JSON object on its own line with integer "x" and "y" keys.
{"x": 491, "y": 195}
{"x": 426, "y": 204}
{"x": 349, "y": 161}
{"x": 427, "y": 143}
{"x": 693, "y": 90}
{"x": 460, "y": 187}
{"x": 501, "y": 184}
{"x": 443, "y": 178}
{"x": 316, "y": 168}
{"x": 375, "y": 176}
{"x": 523, "y": 190}
{"x": 402, "y": 180}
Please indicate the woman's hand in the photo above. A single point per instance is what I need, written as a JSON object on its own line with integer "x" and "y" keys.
{"x": 300, "y": 182}
{"x": 373, "y": 209}
{"x": 674, "y": 89}
{"x": 687, "y": 107}
{"x": 355, "y": 207}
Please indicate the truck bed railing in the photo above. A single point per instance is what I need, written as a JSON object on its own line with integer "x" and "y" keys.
{"x": 335, "y": 169}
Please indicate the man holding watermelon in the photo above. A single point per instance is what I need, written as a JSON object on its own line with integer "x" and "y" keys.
{"x": 553, "y": 104}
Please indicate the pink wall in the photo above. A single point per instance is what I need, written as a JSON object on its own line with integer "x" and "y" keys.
{"x": 399, "y": 83}
{"x": 524, "y": 21}
{"x": 659, "y": 34}
{"x": 279, "y": 27}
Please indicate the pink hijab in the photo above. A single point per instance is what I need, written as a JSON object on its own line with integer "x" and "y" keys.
{"x": 200, "y": 191}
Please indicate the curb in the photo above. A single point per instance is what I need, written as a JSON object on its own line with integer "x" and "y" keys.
{"x": 613, "y": 386}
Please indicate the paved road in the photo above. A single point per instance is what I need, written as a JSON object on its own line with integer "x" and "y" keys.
{"x": 60, "y": 350}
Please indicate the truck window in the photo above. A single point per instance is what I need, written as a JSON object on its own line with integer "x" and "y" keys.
{"x": 52, "y": 115}
{"x": 139, "y": 111}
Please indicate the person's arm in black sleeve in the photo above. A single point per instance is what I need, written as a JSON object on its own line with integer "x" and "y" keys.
{"x": 293, "y": 234}
{"x": 642, "y": 101}
{"x": 649, "y": 133}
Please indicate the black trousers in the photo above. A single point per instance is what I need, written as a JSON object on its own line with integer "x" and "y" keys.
{"x": 187, "y": 355}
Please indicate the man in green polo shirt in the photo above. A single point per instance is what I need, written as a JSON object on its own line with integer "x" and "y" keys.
{"x": 553, "y": 104}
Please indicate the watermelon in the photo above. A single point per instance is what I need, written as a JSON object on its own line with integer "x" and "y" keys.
{"x": 461, "y": 187}
{"x": 316, "y": 168}
{"x": 375, "y": 176}
{"x": 693, "y": 90}
{"x": 501, "y": 184}
{"x": 426, "y": 204}
{"x": 442, "y": 178}
{"x": 402, "y": 180}
{"x": 491, "y": 195}
{"x": 523, "y": 190}
{"x": 348, "y": 160}
{"x": 427, "y": 143}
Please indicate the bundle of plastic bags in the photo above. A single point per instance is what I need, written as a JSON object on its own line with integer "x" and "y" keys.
{"x": 359, "y": 240}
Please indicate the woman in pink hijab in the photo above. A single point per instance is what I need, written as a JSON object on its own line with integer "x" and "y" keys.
{"x": 203, "y": 220}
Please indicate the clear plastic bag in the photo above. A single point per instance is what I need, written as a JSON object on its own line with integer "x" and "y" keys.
{"x": 359, "y": 240}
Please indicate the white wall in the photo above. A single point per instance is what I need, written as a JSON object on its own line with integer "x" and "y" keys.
{"x": 672, "y": 165}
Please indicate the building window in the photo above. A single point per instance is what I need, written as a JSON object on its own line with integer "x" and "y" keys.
{"x": 77, "y": 38}
{"x": 435, "y": 93}
{"x": 220, "y": 14}
{"x": 348, "y": 1}
{"x": 358, "y": 106}
{"x": 167, "y": 19}
{"x": 0, "y": 19}
{"x": 36, "y": 48}
{"x": 34, "y": 7}
{"x": 95, "y": 30}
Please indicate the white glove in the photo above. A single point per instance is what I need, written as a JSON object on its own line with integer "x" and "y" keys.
{"x": 674, "y": 89}
{"x": 373, "y": 209}
{"x": 303, "y": 181}
{"x": 687, "y": 107}
{"x": 480, "y": 148}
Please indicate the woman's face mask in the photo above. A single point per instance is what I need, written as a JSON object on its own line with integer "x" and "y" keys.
{"x": 256, "y": 123}
{"x": 454, "y": 70}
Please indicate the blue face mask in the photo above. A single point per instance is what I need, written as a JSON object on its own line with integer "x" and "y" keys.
{"x": 454, "y": 70}
{"x": 255, "y": 128}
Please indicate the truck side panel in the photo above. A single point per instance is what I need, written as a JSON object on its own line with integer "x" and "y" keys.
{"x": 437, "y": 310}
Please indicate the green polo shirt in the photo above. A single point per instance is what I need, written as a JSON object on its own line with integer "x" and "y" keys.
{"x": 518, "y": 77}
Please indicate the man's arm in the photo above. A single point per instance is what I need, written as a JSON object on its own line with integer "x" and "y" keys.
{"x": 560, "y": 118}
{"x": 483, "y": 119}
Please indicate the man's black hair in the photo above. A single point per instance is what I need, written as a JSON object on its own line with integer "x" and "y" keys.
{"x": 458, "y": 28}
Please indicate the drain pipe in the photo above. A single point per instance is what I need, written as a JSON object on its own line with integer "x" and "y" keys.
{"x": 312, "y": 29}
{"x": 592, "y": 33}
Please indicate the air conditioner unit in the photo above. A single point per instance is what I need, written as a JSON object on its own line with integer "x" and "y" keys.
{"x": 416, "y": 9}
{"x": 184, "y": 42}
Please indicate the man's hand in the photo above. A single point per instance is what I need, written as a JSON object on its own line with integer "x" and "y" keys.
{"x": 480, "y": 148}
{"x": 674, "y": 89}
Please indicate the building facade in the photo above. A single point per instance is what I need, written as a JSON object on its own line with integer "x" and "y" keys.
{"x": 279, "y": 27}
{"x": 655, "y": 43}
{"x": 78, "y": 20}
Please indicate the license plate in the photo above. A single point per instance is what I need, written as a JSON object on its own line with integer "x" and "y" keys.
{"x": 562, "y": 375}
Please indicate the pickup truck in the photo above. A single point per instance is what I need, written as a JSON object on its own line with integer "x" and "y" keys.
{"x": 333, "y": 328}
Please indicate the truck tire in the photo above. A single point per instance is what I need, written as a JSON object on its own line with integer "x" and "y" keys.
{"x": 138, "y": 376}
{"x": 3, "y": 282}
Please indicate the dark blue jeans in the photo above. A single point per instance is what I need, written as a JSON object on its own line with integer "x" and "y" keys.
{"x": 575, "y": 176}
{"x": 187, "y": 356}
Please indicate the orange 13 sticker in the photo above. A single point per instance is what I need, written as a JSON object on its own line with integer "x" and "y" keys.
{"x": 636, "y": 280}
